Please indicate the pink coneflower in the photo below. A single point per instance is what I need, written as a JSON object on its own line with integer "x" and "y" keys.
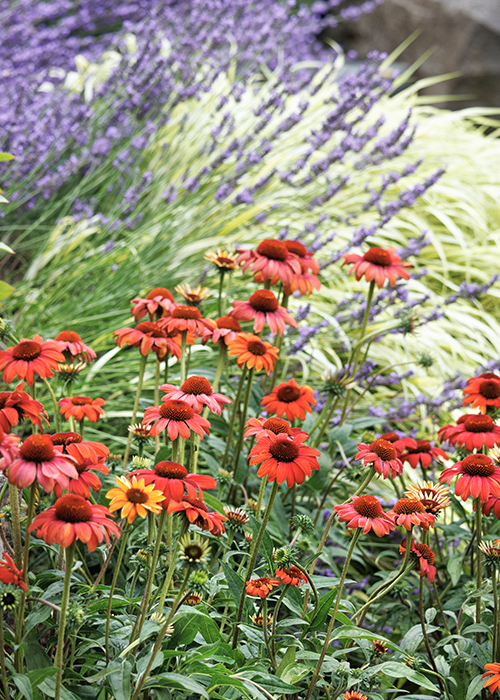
{"x": 29, "y": 358}
{"x": 283, "y": 457}
{"x": 197, "y": 392}
{"x": 187, "y": 318}
{"x": 225, "y": 329}
{"x": 408, "y": 512}
{"x": 146, "y": 335}
{"x": 86, "y": 478}
{"x": 159, "y": 302}
{"x": 39, "y": 461}
{"x": 197, "y": 513}
{"x": 73, "y": 347}
{"x": 479, "y": 477}
{"x": 271, "y": 261}
{"x": 422, "y": 454}
{"x": 382, "y": 456}
{"x": 9, "y": 450}
{"x": 178, "y": 418}
{"x": 401, "y": 444}
{"x": 80, "y": 449}
{"x": 305, "y": 256}
{"x": 16, "y": 405}
{"x": 81, "y": 407}
{"x": 423, "y": 556}
{"x": 264, "y": 308}
{"x": 307, "y": 281}
{"x": 483, "y": 391}
{"x": 378, "y": 264}
{"x": 472, "y": 431}
{"x": 365, "y": 512}
{"x": 290, "y": 399}
{"x": 258, "y": 426}
{"x": 173, "y": 479}
{"x": 491, "y": 505}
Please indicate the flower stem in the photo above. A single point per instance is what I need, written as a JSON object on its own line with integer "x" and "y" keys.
{"x": 275, "y": 619}
{"x": 157, "y": 398}
{"x": 479, "y": 564}
{"x": 243, "y": 421}
{"x": 142, "y": 368}
{"x": 424, "y": 631}
{"x": 171, "y": 569}
{"x": 183, "y": 356}
{"x": 121, "y": 552}
{"x": 81, "y": 424}
{"x": 270, "y": 650}
{"x": 326, "y": 643}
{"x": 54, "y": 403}
{"x": 262, "y": 490}
{"x": 221, "y": 362}
{"x": 16, "y": 525}
{"x": 325, "y": 424}
{"x": 233, "y": 416}
{"x": 59, "y": 661}
{"x": 221, "y": 286}
{"x": 2, "y": 660}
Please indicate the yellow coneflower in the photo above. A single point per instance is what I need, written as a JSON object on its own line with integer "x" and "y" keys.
{"x": 134, "y": 498}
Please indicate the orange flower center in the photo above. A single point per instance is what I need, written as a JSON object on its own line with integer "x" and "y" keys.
{"x": 408, "y": 506}
{"x": 176, "y": 410}
{"x": 274, "y": 250}
{"x": 297, "y": 248}
{"x": 160, "y": 292}
{"x": 27, "y": 350}
{"x": 288, "y": 393}
{"x": 490, "y": 388}
{"x": 65, "y": 438}
{"x": 390, "y": 437}
{"x": 277, "y": 426}
{"x": 378, "y": 256}
{"x": 69, "y": 336}
{"x": 81, "y": 401}
{"x": 478, "y": 465}
{"x": 479, "y": 424}
{"x": 170, "y": 470}
{"x": 73, "y": 509}
{"x": 37, "y": 448}
{"x": 284, "y": 451}
{"x": 383, "y": 449}
{"x": 228, "y": 322}
{"x": 263, "y": 300}
{"x": 256, "y": 347}
{"x": 426, "y": 553}
{"x": 187, "y": 312}
{"x": 150, "y": 328}
{"x": 196, "y": 386}
{"x": 137, "y": 496}
{"x": 368, "y": 507}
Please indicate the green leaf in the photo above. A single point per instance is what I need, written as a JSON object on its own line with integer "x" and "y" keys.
{"x": 353, "y": 632}
{"x": 175, "y": 680}
{"x": 164, "y": 454}
{"x": 6, "y": 156}
{"x": 288, "y": 658}
{"x": 267, "y": 543}
{"x": 23, "y": 684}
{"x": 393, "y": 669}
{"x": 49, "y": 688}
{"x": 36, "y": 656}
{"x": 8, "y": 249}
{"x": 235, "y": 584}
{"x": 213, "y": 503}
{"x": 120, "y": 679}
{"x": 5, "y": 290}
{"x": 454, "y": 568}
{"x": 39, "y": 675}
{"x": 475, "y": 687}
{"x": 320, "y": 614}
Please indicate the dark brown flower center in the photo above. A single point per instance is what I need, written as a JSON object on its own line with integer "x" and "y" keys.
{"x": 489, "y": 375}
{"x": 478, "y": 465}
{"x": 426, "y": 553}
{"x": 150, "y": 328}
{"x": 176, "y": 410}
{"x": 490, "y": 388}
{"x": 277, "y": 426}
{"x": 378, "y": 256}
{"x": 263, "y": 300}
{"x": 284, "y": 450}
{"x": 196, "y": 386}
{"x": 408, "y": 506}
{"x": 196, "y": 503}
{"x": 37, "y": 448}
{"x": 82, "y": 466}
{"x": 81, "y": 401}
{"x": 170, "y": 470}
{"x": 297, "y": 248}
{"x": 68, "y": 336}
{"x": 256, "y": 347}
{"x": 65, "y": 438}
{"x": 228, "y": 322}
{"x": 368, "y": 507}
{"x": 160, "y": 292}
{"x": 479, "y": 424}
{"x": 383, "y": 449}
{"x": 27, "y": 350}
{"x": 187, "y": 312}
{"x": 73, "y": 509}
{"x": 422, "y": 446}
{"x": 135, "y": 495}
{"x": 274, "y": 250}
{"x": 288, "y": 393}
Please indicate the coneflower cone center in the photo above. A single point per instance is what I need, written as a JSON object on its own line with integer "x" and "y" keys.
{"x": 197, "y": 504}
{"x": 288, "y": 393}
{"x": 193, "y": 552}
{"x": 81, "y": 401}
{"x": 186, "y": 312}
{"x": 368, "y": 507}
{"x": 490, "y": 388}
{"x": 390, "y": 437}
{"x": 422, "y": 446}
{"x": 256, "y": 347}
{"x": 378, "y": 256}
{"x": 176, "y": 410}
{"x": 160, "y": 292}
{"x": 229, "y": 323}
{"x": 297, "y": 248}
{"x": 408, "y": 506}
{"x": 65, "y": 438}
{"x": 73, "y": 509}
{"x": 196, "y": 386}
{"x": 170, "y": 470}
{"x": 135, "y": 495}
{"x": 277, "y": 426}
{"x": 27, "y": 350}
{"x": 37, "y": 448}
{"x": 284, "y": 450}
{"x": 68, "y": 336}
{"x": 426, "y": 553}
{"x": 478, "y": 465}
{"x": 479, "y": 424}
{"x": 263, "y": 300}
{"x": 151, "y": 328}
{"x": 383, "y": 449}
{"x": 274, "y": 250}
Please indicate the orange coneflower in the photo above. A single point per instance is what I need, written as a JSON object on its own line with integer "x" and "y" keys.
{"x": 187, "y": 318}
{"x": 354, "y": 695}
{"x": 178, "y": 418}
{"x": 424, "y": 556}
{"x": 9, "y": 450}
{"x": 290, "y": 399}
{"x": 172, "y": 479}
{"x": 197, "y": 513}
{"x": 73, "y": 347}
{"x": 479, "y": 477}
{"x": 159, "y": 301}
{"x": 409, "y": 512}
{"x": 86, "y": 479}
{"x": 39, "y": 461}
{"x": 264, "y": 308}
{"x": 483, "y": 391}
{"x": 378, "y": 264}
{"x": 253, "y": 352}
{"x": 291, "y": 575}
{"x": 16, "y": 405}
{"x": 147, "y": 335}
{"x": 257, "y": 426}
{"x": 261, "y": 586}
{"x": 422, "y": 454}
{"x": 197, "y": 392}
{"x": 9, "y": 573}
{"x": 80, "y": 449}
{"x": 493, "y": 681}
{"x": 30, "y": 357}
{"x": 134, "y": 498}
{"x": 383, "y": 456}
{"x": 472, "y": 431}
{"x": 271, "y": 261}
{"x": 365, "y": 512}
{"x": 81, "y": 407}
{"x": 307, "y": 281}
{"x": 283, "y": 457}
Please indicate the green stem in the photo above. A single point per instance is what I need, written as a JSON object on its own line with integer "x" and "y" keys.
{"x": 325, "y": 424}
{"x": 260, "y": 498}
{"x": 496, "y": 623}
{"x": 270, "y": 650}
{"x": 275, "y": 619}
{"x": 479, "y": 564}
{"x": 221, "y": 363}
{"x": 54, "y": 403}
{"x": 142, "y": 369}
{"x": 243, "y": 421}
{"x": 157, "y": 398}
{"x": 443, "y": 616}
{"x": 326, "y": 643}
{"x": 171, "y": 569}
{"x": 81, "y": 424}
{"x": 324, "y": 411}
{"x": 424, "y": 631}
{"x": 183, "y": 356}
{"x": 221, "y": 286}
{"x": 118, "y": 564}
{"x": 16, "y": 525}
{"x": 59, "y": 661}
{"x": 2, "y": 660}
{"x": 233, "y": 416}
{"x": 192, "y": 453}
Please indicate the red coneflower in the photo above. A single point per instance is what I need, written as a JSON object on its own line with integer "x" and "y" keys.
{"x": 479, "y": 477}
{"x": 86, "y": 479}
{"x": 271, "y": 261}
{"x": 382, "y": 455}
{"x": 159, "y": 302}
{"x": 422, "y": 454}
{"x": 39, "y": 461}
{"x": 9, "y": 450}
{"x": 492, "y": 504}
{"x": 9, "y": 573}
{"x": 291, "y": 575}
{"x": 378, "y": 264}
{"x": 493, "y": 681}
{"x": 187, "y": 318}
{"x": 261, "y": 587}
{"x": 424, "y": 556}
{"x": 81, "y": 407}
{"x": 354, "y": 695}
{"x": 30, "y": 357}
{"x": 225, "y": 329}
{"x": 365, "y": 512}
{"x": 401, "y": 444}
{"x": 197, "y": 392}
{"x": 178, "y": 418}
{"x": 16, "y": 405}
{"x": 472, "y": 431}
{"x": 197, "y": 514}
{"x": 253, "y": 352}
{"x": 256, "y": 426}
{"x": 483, "y": 391}
{"x": 290, "y": 399}
{"x": 146, "y": 335}
{"x": 73, "y": 518}
{"x": 433, "y": 497}
{"x": 173, "y": 480}
{"x": 73, "y": 347}
{"x": 80, "y": 449}
{"x": 264, "y": 308}
{"x": 409, "y": 512}
{"x": 284, "y": 457}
